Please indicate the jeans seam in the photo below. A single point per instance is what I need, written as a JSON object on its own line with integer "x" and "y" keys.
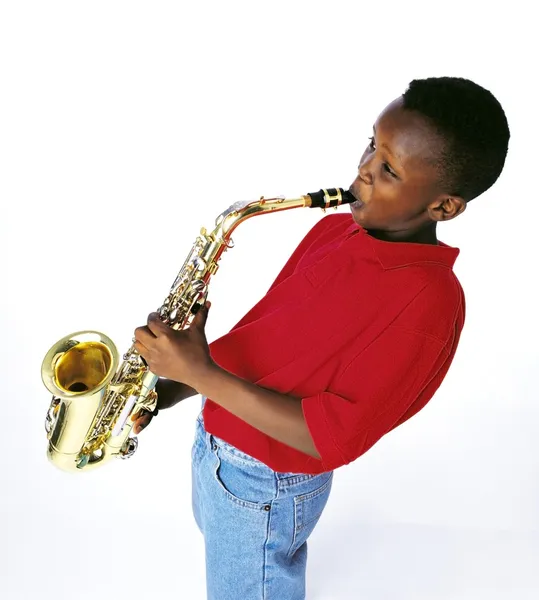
{"x": 314, "y": 493}
{"x": 297, "y": 504}
{"x": 265, "y": 565}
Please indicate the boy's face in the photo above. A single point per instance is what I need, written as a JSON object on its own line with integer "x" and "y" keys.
{"x": 397, "y": 180}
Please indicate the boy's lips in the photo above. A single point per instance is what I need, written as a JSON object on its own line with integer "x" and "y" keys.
{"x": 358, "y": 203}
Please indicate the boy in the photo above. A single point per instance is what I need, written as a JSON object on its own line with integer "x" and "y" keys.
{"x": 353, "y": 338}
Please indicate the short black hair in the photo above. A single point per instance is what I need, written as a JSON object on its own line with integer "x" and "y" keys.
{"x": 473, "y": 127}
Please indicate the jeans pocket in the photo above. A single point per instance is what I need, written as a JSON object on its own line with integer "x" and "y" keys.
{"x": 240, "y": 484}
{"x": 308, "y": 509}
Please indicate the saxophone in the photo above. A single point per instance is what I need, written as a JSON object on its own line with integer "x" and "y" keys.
{"x": 94, "y": 395}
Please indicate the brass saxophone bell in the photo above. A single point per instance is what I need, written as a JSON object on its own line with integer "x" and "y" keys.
{"x": 79, "y": 363}
{"x": 76, "y": 371}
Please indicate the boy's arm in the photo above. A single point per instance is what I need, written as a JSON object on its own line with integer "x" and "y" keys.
{"x": 171, "y": 392}
{"x": 277, "y": 415}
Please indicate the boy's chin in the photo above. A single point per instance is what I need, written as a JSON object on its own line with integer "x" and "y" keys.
{"x": 358, "y": 214}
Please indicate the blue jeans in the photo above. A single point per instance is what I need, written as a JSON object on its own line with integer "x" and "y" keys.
{"x": 255, "y": 521}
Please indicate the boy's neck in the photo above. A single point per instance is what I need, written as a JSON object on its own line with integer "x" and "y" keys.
{"x": 424, "y": 236}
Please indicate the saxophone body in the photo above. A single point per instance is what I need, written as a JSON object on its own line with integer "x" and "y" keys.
{"x": 95, "y": 393}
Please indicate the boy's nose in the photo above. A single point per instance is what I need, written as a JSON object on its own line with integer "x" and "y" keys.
{"x": 364, "y": 175}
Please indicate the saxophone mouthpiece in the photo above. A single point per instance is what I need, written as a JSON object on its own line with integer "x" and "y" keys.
{"x": 327, "y": 198}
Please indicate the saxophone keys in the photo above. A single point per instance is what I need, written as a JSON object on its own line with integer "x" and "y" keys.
{"x": 129, "y": 448}
{"x": 199, "y": 263}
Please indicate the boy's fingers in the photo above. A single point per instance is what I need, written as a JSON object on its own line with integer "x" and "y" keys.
{"x": 140, "y": 414}
{"x": 142, "y": 422}
{"x": 136, "y": 415}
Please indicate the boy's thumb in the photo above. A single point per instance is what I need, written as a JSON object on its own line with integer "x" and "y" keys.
{"x": 202, "y": 313}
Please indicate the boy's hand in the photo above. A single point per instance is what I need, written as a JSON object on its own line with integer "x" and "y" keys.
{"x": 169, "y": 393}
{"x": 182, "y": 356}
{"x": 142, "y": 419}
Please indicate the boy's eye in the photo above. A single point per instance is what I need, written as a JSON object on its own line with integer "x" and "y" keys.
{"x": 385, "y": 166}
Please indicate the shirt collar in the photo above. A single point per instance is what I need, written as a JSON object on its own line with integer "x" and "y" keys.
{"x": 399, "y": 254}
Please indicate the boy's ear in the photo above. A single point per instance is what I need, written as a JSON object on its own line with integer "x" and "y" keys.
{"x": 447, "y": 208}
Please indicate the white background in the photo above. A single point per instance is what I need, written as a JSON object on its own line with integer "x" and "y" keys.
{"x": 127, "y": 126}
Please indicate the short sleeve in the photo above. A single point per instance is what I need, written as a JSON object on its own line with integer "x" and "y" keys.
{"x": 381, "y": 387}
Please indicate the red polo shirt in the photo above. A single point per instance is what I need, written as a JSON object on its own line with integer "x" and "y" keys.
{"x": 362, "y": 330}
